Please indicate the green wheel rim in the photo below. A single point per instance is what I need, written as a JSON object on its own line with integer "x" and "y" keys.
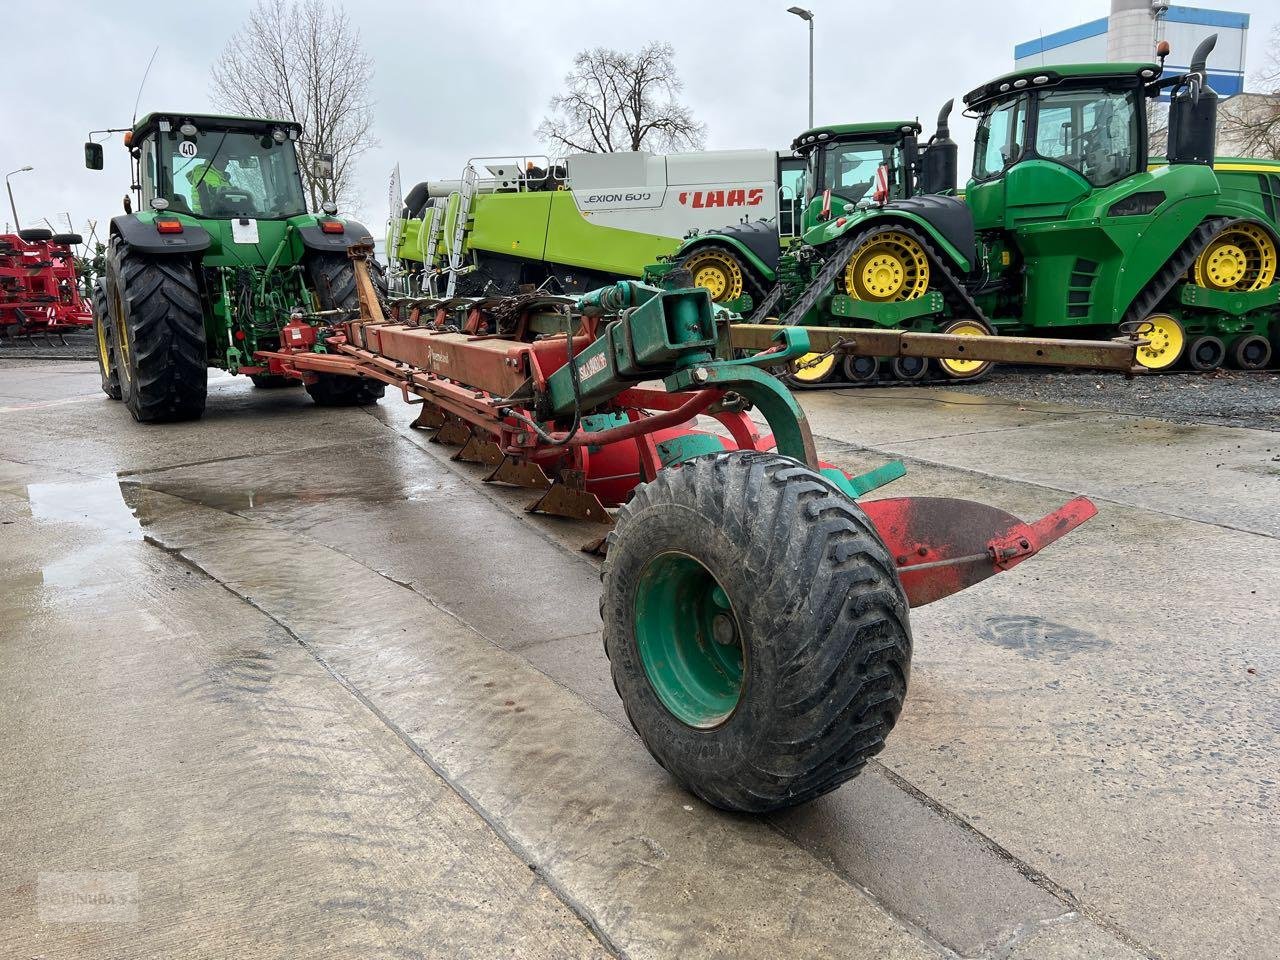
{"x": 689, "y": 641}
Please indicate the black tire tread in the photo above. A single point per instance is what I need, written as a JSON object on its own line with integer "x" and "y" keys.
{"x": 841, "y": 673}
{"x": 167, "y": 379}
{"x": 333, "y": 279}
{"x": 110, "y": 374}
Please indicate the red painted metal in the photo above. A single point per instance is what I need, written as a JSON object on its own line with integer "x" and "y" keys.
{"x": 942, "y": 546}
{"x": 39, "y": 290}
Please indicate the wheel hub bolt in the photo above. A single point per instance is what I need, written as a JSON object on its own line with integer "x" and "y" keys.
{"x": 723, "y": 630}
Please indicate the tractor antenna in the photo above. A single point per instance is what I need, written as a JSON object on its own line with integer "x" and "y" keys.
{"x": 145, "y": 74}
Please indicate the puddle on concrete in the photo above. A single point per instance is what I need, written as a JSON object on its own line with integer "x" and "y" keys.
{"x": 1036, "y": 637}
{"x": 94, "y": 503}
{"x": 100, "y": 556}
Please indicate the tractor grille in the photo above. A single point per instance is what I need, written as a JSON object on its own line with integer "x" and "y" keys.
{"x": 1080, "y": 292}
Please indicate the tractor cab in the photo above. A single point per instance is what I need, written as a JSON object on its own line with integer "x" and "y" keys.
{"x": 219, "y": 168}
{"x": 845, "y": 159}
{"x": 853, "y": 165}
{"x": 1050, "y": 137}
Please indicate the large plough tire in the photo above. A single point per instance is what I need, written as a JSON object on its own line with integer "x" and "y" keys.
{"x": 104, "y": 342}
{"x": 756, "y": 629}
{"x": 333, "y": 278}
{"x": 155, "y": 310}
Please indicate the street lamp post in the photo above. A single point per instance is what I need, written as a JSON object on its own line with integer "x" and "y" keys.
{"x": 807, "y": 15}
{"x": 16, "y": 224}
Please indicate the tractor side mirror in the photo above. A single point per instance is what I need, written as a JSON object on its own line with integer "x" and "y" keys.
{"x": 93, "y": 156}
{"x": 322, "y": 167}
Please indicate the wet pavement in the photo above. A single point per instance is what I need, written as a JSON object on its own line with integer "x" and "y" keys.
{"x": 289, "y": 682}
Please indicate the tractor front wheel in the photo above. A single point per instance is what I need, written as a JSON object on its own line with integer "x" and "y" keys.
{"x": 756, "y": 629}
{"x": 271, "y": 381}
{"x": 158, "y": 322}
{"x": 104, "y": 339}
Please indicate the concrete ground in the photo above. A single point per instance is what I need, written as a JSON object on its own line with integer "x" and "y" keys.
{"x": 288, "y": 682}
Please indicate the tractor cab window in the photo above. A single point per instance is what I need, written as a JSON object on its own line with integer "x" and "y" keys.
{"x": 1092, "y": 131}
{"x": 849, "y": 169}
{"x": 1000, "y": 138}
{"x": 227, "y": 173}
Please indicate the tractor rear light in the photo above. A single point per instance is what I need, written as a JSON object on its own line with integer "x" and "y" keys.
{"x": 239, "y": 334}
{"x": 168, "y": 226}
{"x": 331, "y": 226}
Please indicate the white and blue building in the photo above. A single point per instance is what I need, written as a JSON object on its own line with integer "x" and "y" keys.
{"x": 1133, "y": 29}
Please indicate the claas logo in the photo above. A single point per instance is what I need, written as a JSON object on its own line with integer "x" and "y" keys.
{"x": 698, "y": 199}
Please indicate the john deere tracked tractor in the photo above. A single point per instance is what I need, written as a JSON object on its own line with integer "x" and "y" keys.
{"x": 848, "y": 166}
{"x": 218, "y": 256}
{"x": 1067, "y": 224}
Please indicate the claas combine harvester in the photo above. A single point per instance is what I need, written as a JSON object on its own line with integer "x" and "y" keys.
{"x": 39, "y": 289}
{"x": 756, "y": 610}
{"x": 1067, "y": 225}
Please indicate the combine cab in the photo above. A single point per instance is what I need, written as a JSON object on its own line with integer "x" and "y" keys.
{"x": 39, "y": 289}
{"x": 221, "y": 253}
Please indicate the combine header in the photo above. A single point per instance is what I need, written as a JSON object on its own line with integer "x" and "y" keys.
{"x": 39, "y": 290}
{"x": 756, "y": 613}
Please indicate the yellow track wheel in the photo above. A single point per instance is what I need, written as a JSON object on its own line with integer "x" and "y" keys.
{"x": 813, "y": 368}
{"x": 960, "y": 369}
{"x": 717, "y": 271}
{"x": 887, "y": 267}
{"x": 1242, "y": 258}
{"x": 1167, "y": 342}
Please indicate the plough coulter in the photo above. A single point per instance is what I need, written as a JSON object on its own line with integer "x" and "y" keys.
{"x": 756, "y": 609}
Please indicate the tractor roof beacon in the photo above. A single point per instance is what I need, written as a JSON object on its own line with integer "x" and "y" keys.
{"x": 215, "y": 253}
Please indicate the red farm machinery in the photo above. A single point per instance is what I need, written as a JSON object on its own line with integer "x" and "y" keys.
{"x": 756, "y": 606}
{"x": 39, "y": 288}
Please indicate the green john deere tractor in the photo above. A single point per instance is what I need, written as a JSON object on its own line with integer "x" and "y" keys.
{"x": 220, "y": 253}
{"x": 1067, "y": 224}
{"x": 848, "y": 166}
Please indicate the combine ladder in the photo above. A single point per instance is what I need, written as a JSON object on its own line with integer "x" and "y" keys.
{"x": 460, "y": 227}
{"x": 429, "y": 248}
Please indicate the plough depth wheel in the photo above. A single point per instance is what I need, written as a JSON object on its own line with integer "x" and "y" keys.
{"x": 756, "y": 629}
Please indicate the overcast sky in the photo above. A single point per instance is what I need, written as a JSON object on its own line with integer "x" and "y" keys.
{"x": 454, "y": 80}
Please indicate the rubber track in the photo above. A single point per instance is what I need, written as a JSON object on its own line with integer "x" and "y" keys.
{"x": 1175, "y": 268}
{"x": 162, "y": 306}
{"x": 821, "y": 568}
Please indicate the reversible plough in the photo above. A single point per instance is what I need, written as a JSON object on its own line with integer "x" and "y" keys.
{"x": 755, "y": 609}
{"x": 39, "y": 290}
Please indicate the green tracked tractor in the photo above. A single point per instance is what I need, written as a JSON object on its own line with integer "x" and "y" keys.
{"x": 220, "y": 253}
{"x": 1067, "y": 225}
{"x": 847, "y": 167}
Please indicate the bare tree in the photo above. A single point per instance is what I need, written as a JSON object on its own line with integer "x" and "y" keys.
{"x": 304, "y": 61}
{"x": 615, "y": 100}
{"x": 1250, "y": 123}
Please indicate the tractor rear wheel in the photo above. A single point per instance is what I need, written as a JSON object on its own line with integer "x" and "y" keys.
{"x": 104, "y": 339}
{"x": 333, "y": 278}
{"x": 756, "y": 629}
{"x": 158, "y": 321}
